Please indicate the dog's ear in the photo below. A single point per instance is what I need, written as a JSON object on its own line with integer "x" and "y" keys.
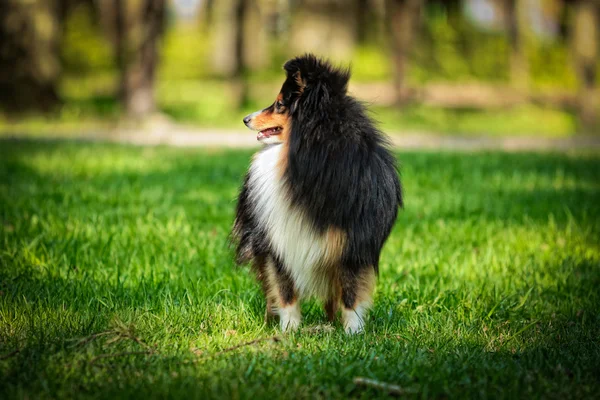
{"x": 316, "y": 81}
{"x": 300, "y": 86}
{"x": 300, "y": 81}
{"x": 309, "y": 71}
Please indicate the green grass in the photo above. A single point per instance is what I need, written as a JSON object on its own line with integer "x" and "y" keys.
{"x": 488, "y": 285}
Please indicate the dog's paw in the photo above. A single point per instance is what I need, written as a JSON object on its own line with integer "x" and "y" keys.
{"x": 354, "y": 327}
{"x": 290, "y": 318}
{"x": 289, "y": 325}
{"x": 354, "y": 320}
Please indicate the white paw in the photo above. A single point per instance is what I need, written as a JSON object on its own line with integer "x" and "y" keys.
{"x": 354, "y": 319}
{"x": 354, "y": 325}
{"x": 290, "y": 317}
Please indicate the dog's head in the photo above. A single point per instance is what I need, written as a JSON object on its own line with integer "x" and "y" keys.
{"x": 311, "y": 85}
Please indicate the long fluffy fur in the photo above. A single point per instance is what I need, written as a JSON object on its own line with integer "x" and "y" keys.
{"x": 336, "y": 185}
{"x": 340, "y": 170}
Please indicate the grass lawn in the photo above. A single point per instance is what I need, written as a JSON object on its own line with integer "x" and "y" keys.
{"x": 116, "y": 281}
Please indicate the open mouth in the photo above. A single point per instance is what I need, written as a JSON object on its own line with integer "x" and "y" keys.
{"x": 267, "y": 133}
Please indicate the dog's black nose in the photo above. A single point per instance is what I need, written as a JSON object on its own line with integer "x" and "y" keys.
{"x": 247, "y": 119}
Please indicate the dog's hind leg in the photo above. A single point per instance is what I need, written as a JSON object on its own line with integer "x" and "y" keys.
{"x": 283, "y": 293}
{"x": 333, "y": 300}
{"x": 259, "y": 267}
{"x": 357, "y": 298}
{"x": 331, "y": 307}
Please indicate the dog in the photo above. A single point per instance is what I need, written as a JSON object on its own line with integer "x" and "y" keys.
{"x": 319, "y": 199}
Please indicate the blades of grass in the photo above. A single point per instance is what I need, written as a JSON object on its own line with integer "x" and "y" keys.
{"x": 520, "y": 331}
{"x": 489, "y": 315}
{"x": 524, "y": 299}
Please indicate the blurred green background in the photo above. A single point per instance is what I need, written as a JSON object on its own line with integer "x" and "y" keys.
{"x": 478, "y": 67}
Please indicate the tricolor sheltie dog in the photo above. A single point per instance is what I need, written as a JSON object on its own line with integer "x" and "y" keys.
{"x": 319, "y": 199}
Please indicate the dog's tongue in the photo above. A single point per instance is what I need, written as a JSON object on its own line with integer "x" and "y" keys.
{"x": 266, "y": 133}
{"x": 263, "y": 134}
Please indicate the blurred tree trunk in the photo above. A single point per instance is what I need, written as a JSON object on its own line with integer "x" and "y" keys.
{"x": 120, "y": 44}
{"x": 362, "y": 20}
{"x": 277, "y": 16}
{"x": 240, "y": 44}
{"x": 255, "y": 25}
{"x": 402, "y": 19}
{"x": 135, "y": 28}
{"x": 29, "y": 54}
{"x": 235, "y": 20}
{"x": 138, "y": 28}
{"x": 224, "y": 37}
{"x": 515, "y": 27}
{"x": 585, "y": 48}
{"x": 241, "y": 8}
{"x": 451, "y": 9}
{"x": 206, "y": 15}
{"x": 563, "y": 19}
{"x": 326, "y": 27}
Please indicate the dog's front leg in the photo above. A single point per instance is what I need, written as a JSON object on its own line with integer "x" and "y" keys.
{"x": 284, "y": 295}
{"x": 357, "y": 298}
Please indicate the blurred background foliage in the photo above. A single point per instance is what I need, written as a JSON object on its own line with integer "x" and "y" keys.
{"x": 473, "y": 67}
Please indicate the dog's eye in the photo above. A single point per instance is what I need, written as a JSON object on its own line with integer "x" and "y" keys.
{"x": 279, "y": 104}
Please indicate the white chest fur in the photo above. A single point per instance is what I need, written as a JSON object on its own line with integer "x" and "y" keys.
{"x": 291, "y": 235}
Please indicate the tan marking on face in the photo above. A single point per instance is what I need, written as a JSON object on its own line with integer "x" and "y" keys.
{"x": 268, "y": 119}
{"x": 282, "y": 163}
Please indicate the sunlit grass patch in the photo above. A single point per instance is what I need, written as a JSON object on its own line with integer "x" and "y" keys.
{"x": 117, "y": 280}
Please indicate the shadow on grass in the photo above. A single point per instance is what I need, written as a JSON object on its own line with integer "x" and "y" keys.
{"x": 555, "y": 355}
{"x": 64, "y": 277}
